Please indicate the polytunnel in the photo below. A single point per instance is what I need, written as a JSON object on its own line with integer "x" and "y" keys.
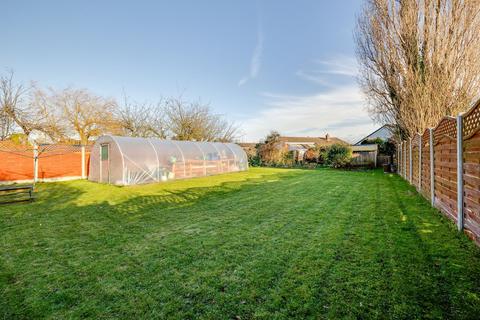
{"x": 128, "y": 160}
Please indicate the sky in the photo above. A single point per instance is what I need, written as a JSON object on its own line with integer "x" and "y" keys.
{"x": 266, "y": 65}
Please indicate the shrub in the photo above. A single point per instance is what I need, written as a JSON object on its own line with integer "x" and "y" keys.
{"x": 312, "y": 155}
{"x": 386, "y": 148}
{"x": 254, "y": 160}
{"x": 337, "y": 155}
{"x": 271, "y": 151}
{"x": 288, "y": 159}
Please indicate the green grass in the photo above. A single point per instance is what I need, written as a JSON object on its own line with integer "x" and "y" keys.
{"x": 266, "y": 244}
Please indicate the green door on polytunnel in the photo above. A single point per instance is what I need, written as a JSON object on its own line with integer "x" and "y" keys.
{"x": 105, "y": 163}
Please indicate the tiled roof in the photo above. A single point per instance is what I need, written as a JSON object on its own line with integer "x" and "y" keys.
{"x": 316, "y": 140}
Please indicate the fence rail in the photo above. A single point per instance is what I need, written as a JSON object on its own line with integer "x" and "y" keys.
{"x": 443, "y": 164}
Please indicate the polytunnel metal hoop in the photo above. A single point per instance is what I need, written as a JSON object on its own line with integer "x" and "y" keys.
{"x": 219, "y": 154}
{"x": 123, "y": 160}
{"x": 234, "y": 154}
{"x": 183, "y": 157}
{"x": 158, "y": 161}
{"x": 204, "y": 160}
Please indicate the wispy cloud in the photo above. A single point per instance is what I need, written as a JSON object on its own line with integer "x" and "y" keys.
{"x": 338, "y": 112}
{"x": 322, "y": 71}
{"x": 256, "y": 60}
{"x": 336, "y": 108}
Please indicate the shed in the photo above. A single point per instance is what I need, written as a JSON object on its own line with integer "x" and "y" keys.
{"x": 129, "y": 161}
{"x": 365, "y": 155}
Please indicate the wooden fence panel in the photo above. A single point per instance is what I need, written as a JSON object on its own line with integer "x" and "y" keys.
{"x": 471, "y": 171}
{"x": 445, "y": 166}
{"x": 415, "y": 160}
{"x": 16, "y": 162}
{"x": 57, "y": 161}
{"x": 54, "y": 162}
{"x": 446, "y": 144}
{"x": 425, "y": 189}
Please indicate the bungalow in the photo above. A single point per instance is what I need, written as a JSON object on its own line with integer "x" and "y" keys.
{"x": 366, "y": 152}
{"x": 299, "y": 145}
{"x": 385, "y": 132}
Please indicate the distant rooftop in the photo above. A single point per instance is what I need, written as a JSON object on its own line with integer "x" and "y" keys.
{"x": 317, "y": 140}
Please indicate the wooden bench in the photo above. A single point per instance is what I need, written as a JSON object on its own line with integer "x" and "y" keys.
{"x": 14, "y": 193}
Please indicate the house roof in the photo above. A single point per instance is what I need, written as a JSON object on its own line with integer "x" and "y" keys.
{"x": 365, "y": 147}
{"x": 384, "y": 132}
{"x": 312, "y": 140}
{"x": 247, "y": 144}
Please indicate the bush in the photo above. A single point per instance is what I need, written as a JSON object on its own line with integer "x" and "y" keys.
{"x": 288, "y": 159}
{"x": 312, "y": 155}
{"x": 254, "y": 160}
{"x": 337, "y": 155}
{"x": 271, "y": 152}
{"x": 386, "y": 148}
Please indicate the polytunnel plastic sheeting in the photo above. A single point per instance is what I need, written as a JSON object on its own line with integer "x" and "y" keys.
{"x": 145, "y": 160}
{"x": 140, "y": 160}
{"x": 240, "y": 156}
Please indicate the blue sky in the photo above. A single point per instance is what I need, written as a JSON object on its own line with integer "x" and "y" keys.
{"x": 284, "y": 65}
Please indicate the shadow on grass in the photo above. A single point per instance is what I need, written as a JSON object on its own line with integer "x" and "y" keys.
{"x": 55, "y": 230}
{"x": 235, "y": 245}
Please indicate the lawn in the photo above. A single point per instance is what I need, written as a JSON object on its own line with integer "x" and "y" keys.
{"x": 268, "y": 243}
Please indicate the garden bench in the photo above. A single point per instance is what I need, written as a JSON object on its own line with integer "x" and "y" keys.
{"x": 12, "y": 193}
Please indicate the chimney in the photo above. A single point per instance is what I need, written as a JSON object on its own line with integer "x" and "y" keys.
{"x": 327, "y": 137}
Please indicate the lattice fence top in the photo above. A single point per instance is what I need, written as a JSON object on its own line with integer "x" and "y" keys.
{"x": 58, "y": 149}
{"x": 10, "y": 146}
{"x": 471, "y": 121}
{"x": 446, "y": 127}
{"x": 43, "y": 150}
{"x": 415, "y": 140}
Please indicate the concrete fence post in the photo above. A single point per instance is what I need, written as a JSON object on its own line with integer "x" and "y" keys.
{"x": 83, "y": 162}
{"x": 420, "y": 164}
{"x": 400, "y": 164}
{"x": 35, "y": 163}
{"x": 459, "y": 172}
{"x": 399, "y": 169}
{"x": 432, "y": 170}
{"x": 405, "y": 160}
{"x": 410, "y": 160}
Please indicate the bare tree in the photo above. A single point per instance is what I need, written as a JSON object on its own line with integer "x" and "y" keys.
{"x": 84, "y": 113}
{"x": 6, "y": 124}
{"x": 141, "y": 119}
{"x": 271, "y": 151}
{"x": 195, "y": 121}
{"x": 14, "y": 106}
{"x": 52, "y": 122}
{"x": 419, "y": 59}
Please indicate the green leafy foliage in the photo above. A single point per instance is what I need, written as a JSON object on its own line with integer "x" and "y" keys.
{"x": 384, "y": 147}
{"x": 271, "y": 152}
{"x": 312, "y": 155}
{"x": 337, "y": 155}
{"x": 254, "y": 160}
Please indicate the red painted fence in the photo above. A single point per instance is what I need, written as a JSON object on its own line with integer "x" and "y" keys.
{"x": 55, "y": 162}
